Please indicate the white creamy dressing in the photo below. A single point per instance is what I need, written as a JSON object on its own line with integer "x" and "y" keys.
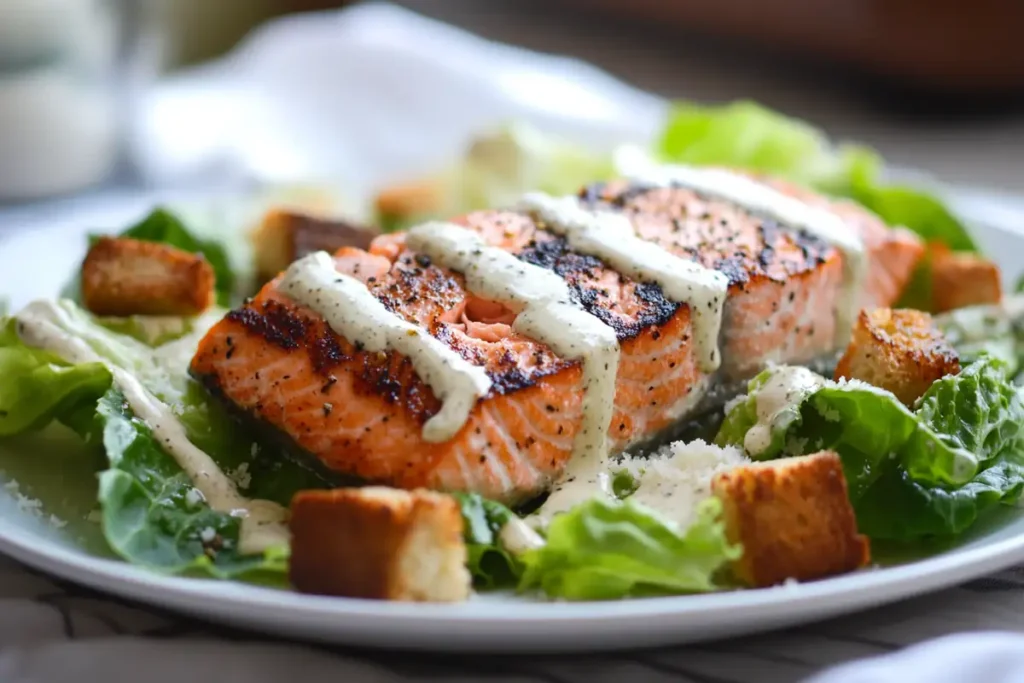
{"x": 785, "y": 389}
{"x": 263, "y": 523}
{"x": 790, "y": 212}
{"x": 546, "y": 312}
{"x": 517, "y": 537}
{"x": 356, "y": 314}
{"x": 611, "y": 238}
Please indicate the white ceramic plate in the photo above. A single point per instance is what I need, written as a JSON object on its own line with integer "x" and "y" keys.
{"x": 54, "y": 475}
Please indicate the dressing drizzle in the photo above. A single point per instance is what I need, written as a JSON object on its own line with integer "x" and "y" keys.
{"x": 546, "y": 312}
{"x": 263, "y": 522}
{"x": 790, "y": 212}
{"x": 611, "y": 238}
{"x": 352, "y": 311}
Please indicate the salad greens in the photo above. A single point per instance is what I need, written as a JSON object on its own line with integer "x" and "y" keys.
{"x": 38, "y": 387}
{"x": 929, "y": 471}
{"x": 996, "y": 330}
{"x": 148, "y": 515}
{"x": 152, "y": 515}
{"x": 749, "y": 136}
{"x": 491, "y": 565}
{"x": 746, "y": 135}
{"x": 601, "y": 550}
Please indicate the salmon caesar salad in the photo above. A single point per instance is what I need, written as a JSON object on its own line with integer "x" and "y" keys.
{"x": 738, "y": 357}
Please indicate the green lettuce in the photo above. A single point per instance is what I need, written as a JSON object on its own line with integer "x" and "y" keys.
{"x": 491, "y": 565}
{"x": 38, "y": 387}
{"x": 603, "y": 550}
{"x": 262, "y": 468}
{"x": 993, "y": 329}
{"x": 748, "y": 136}
{"x": 930, "y": 471}
{"x": 141, "y": 494}
{"x": 151, "y": 516}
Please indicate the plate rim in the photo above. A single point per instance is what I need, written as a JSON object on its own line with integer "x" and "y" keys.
{"x": 508, "y": 627}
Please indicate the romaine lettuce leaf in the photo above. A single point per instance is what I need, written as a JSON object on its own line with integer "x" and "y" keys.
{"x": 896, "y": 507}
{"x": 993, "y": 329}
{"x": 491, "y": 565}
{"x": 260, "y": 467}
{"x": 603, "y": 550}
{"x": 958, "y": 452}
{"x": 743, "y": 421}
{"x": 748, "y": 136}
{"x": 37, "y": 388}
{"x": 141, "y": 495}
{"x": 925, "y": 214}
{"x": 151, "y": 515}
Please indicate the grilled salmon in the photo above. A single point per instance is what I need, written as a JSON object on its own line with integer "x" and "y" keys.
{"x": 361, "y": 413}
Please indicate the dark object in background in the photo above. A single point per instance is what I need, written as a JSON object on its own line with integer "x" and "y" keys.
{"x": 935, "y": 47}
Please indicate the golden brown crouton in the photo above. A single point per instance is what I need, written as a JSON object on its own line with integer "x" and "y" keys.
{"x": 899, "y": 350}
{"x": 410, "y": 201}
{"x": 793, "y": 519}
{"x": 960, "y": 280}
{"x": 379, "y": 543}
{"x": 130, "y": 277}
{"x": 285, "y": 236}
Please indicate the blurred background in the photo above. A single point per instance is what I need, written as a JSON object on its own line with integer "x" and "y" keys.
{"x": 932, "y": 84}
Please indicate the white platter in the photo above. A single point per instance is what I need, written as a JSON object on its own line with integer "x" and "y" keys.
{"x": 484, "y": 624}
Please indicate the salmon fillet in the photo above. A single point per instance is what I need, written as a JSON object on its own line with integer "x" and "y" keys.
{"x": 362, "y": 413}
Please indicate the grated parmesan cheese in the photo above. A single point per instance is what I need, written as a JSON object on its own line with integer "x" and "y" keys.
{"x": 194, "y": 497}
{"x": 677, "y": 478}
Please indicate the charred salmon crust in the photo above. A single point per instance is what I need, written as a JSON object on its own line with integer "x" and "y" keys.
{"x": 362, "y": 413}
{"x": 783, "y": 283}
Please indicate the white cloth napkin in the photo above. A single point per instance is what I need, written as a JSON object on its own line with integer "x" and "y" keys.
{"x": 372, "y": 93}
{"x": 365, "y": 95}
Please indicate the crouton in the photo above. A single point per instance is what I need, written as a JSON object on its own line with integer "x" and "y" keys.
{"x": 122, "y": 277}
{"x": 960, "y": 280}
{"x": 899, "y": 350}
{"x": 285, "y": 236}
{"x": 793, "y": 518}
{"x": 404, "y": 203}
{"x": 379, "y": 543}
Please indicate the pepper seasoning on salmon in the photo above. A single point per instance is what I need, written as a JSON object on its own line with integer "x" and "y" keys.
{"x": 361, "y": 413}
